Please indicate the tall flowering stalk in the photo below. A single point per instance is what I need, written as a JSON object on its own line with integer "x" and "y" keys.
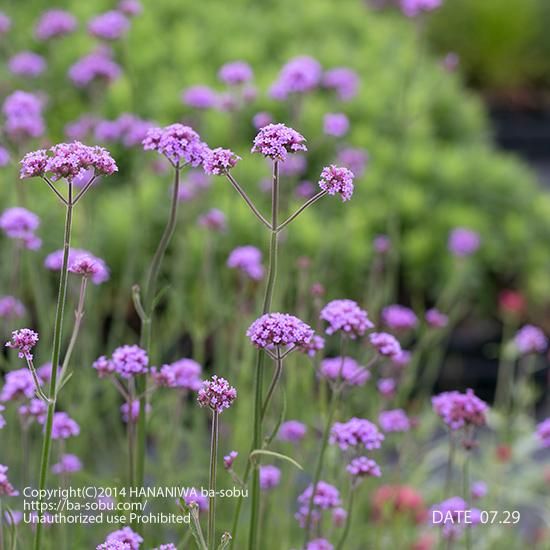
{"x": 63, "y": 161}
{"x": 275, "y": 142}
{"x": 182, "y": 147}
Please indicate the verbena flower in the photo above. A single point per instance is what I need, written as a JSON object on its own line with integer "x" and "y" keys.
{"x": 395, "y": 420}
{"x": 11, "y": 308}
{"x": 110, "y": 25}
{"x": 2, "y": 419}
{"x": 293, "y": 165}
{"x": 194, "y": 496}
{"x": 217, "y": 394}
{"x": 248, "y": 260}
{"x": 130, "y": 361}
{"x": 261, "y": 119}
{"x": 5, "y": 23}
{"x": 27, "y": 64}
{"x": 87, "y": 267}
{"x": 335, "y": 124}
{"x": 23, "y": 340}
{"x": 214, "y": 220}
{"x": 219, "y": 161}
{"x": 184, "y": 374}
{"x": 386, "y": 387}
{"x": 402, "y": 359}
{"x": 95, "y": 67}
{"x": 64, "y": 426}
{"x": 270, "y": 477}
{"x": 68, "y": 464}
{"x": 178, "y": 143}
{"x": 131, "y": 8}
{"x": 104, "y": 366}
{"x": 347, "y": 317}
{"x": 478, "y": 489}
{"x": 229, "y": 459}
{"x": 80, "y": 128}
{"x": 355, "y": 159}
{"x": 300, "y": 75}
{"x": 20, "y": 224}
{"x": 235, "y": 73}
{"x": 413, "y": 8}
{"x": 344, "y": 81}
{"x": 436, "y": 319}
{"x": 381, "y": 244}
{"x": 199, "y": 97}
{"x": 399, "y": 317}
{"x": 35, "y": 409}
{"x": 67, "y": 160}
{"x": 543, "y": 432}
{"x": 345, "y": 369}
{"x": 356, "y": 432}
{"x": 386, "y": 344}
{"x": 454, "y": 508}
{"x": 113, "y": 545}
{"x": 460, "y": 409}
{"x": 17, "y": 383}
{"x": 6, "y": 488}
{"x": 363, "y": 466}
{"x": 276, "y": 141}
{"x": 337, "y": 180}
{"x": 463, "y": 242}
{"x": 23, "y": 113}
{"x": 319, "y": 544}
{"x": 54, "y": 24}
{"x": 279, "y": 329}
{"x": 130, "y": 412}
{"x": 292, "y": 431}
{"x": 80, "y": 261}
{"x": 530, "y": 339}
{"x": 326, "y": 497}
{"x": 127, "y": 536}
{"x": 339, "y": 516}
{"x": 4, "y": 157}
{"x": 317, "y": 343}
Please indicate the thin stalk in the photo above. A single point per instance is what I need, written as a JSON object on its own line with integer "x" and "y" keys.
{"x": 211, "y": 537}
{"x": 248, "y": 201}
{"x": 313, "y": 199}
{"x": 146, "y": 320}
{"x": 465, "y": 495}
{"x": 56, "y": 349}
{"x": 450, "y": 460}
{"x": 347, "y": 527}
{"x": 1, "y": 526}
{"x": 274, "y": 382}
{"x": 36, "y": 381}
{"x": 258, "y": 382}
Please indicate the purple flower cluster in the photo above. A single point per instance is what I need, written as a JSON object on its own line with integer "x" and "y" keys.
{"x": 344, "y": 81}
{"x": 193, "y": 495}
{"x": 346, "y": 316}
{"x": 279, "y": 329}
{"x": 68, "y": 464}
{"x": 6, "y": 488}
{"x": 460, "y": 409}
{"x": 395, "y": 420}
{"x": 399, "y": 317}
{"x": 386, "y": 344}
{"x": 530, "y": 339}
{"x": 4, "y": 157}
{"x": 463, "y": 242}
{"x": 35, "y": 409}
{"x": 261, "y": 119}
{"x": 24, "y": 341}
{"x": 413, "y": 8}
{"x": 178, "y": 143}
{"x": 110, "y": 25}
{"x": 129, "y": 129}
{"x": 214, "y": 220}
{"x": 130, "y": 361}
{"x": 451, "y": 510}
{"x": 64, "y": 426}
{"x": 292, "y": 431}
{"x": 131, "y": 8}
{"x": 300, "y": 75}
{"x": 337, "y": 179}
{"x": 199, "y": 97}
{"x": 386, "y": 387}
{"x": 319, "y": 544}
{"x": 219, "y": 161}
{"x": 335, "y": 124}
{"x": 381, "y": 244}
{"x": 229, "y": 459}
{"x": 20, "y": 224}
{"x": 345, "y": 369}
{"x": 54, "y": 24}
{"x": 478, "y": 489}
{"x": 23, "y": 113}
{"x": 217, "y": 394}
{"x": 276, "y": 141}
{"x": 130, "y": 412}
{"x": 436, "y": 319}
{"x": 17, "y": 383}
{"x": 80, "y": 262}
{"x": 5, "y": 23}
{"x": 27, "y": 64}
{"x": 248, "y": 260}
{"x": 355, "y": 432}
{"x": 326, "y": 496}
{"x": 2, "y": 419}
{"x": 184, "y": 374}
{"x": 125, "y": 536}
{"x": 363, "y": 466}
{"x": 354, "y": 159}
{"x": 317, "y": 343}
{"x": 270, "y": 477}
{"x": 97, "y": 66}
{"x": 235, "y": 73}
{"x": 67, "y": 160}
{"x": 543, "y": 432}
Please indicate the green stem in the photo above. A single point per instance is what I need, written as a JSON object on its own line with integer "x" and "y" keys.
{"x": 465, "y": 496}
{"x": 56, "y": 349}
{"x": 211, "y": 539}
{"x": 274, "y": 382}
{"x": 347, "y": 527}
{"x": 450, "y": 460}
{"x": 146, "y": 321}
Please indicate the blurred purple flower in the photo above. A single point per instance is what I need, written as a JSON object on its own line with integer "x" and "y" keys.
{"x": 300, "y": 75}
{"x": 356, "y": 432}
{"x": 199, "y": 97}
{"x": 64, "y": 426}
{"x": 354, "y": 159}
{"x": 23, "y": 113}
{"x": 11, "y": 308}
{"x": 463, "y": 242}
{"x": 68, "y": 464}
{"x": 345, "y": 369}
{"x": 344, "y": 81}
{"x": 530, "y": 339}
{"x": 292, "y": 431}
{"x": 460, "y": 409}
{"x": 235, "y": 73}
{"x": 54, "y": 23}
{"x": 346, "y": 316}
{"x": 270, "y": 477}
{"x": 335, "y": 124}
{"x": 395, "y": 420}
{"x": 110, "y": 25}
{"x": 398, "y": 317}
{"x": 96, "y": 66}
{"x": 248, "y": 260}
{"x": 28, "y": 64}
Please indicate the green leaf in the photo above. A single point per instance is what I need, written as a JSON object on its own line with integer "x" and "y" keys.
{"x": 276, "y": 455}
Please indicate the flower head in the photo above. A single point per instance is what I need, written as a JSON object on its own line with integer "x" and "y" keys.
{"x": 54, "y": 24}
{"x": 64, "y": 426}
{"x": 386, "y": 387}
{"x": 326, "y": 497}
{"x": 436, "y": 319}
{"x": 386, "y": 344}
{"x": 335, "y": 124}
{"x": 125, "y": 536}
{"x": 345, "y": 369}
{"x": 110, "y": 25}
{"x": 300, "y": 75}
{"x": 270, "y": 477}
{"x": 463, "y": 242}
{"x": 20, "y": 224}
{"x": 23, "y": 340}
{"x": 543, "y": 433}
{"x": 337, "y": 180}
{"x": 413, "y": 8}
{"x": 399, "y": 317}
{"x": 6, "y": 488}
{"x": 35, "y": 409}
{"x": 478, "y": 489}
{"x": 347, "y": 317}
{"x": 184, "y": 374}
{"x": 261, "y": 119}
{"x": 248, "y": 260}
{"x": 276, "y": 141}
{"x": 356, "y": 432}
{"x": 214, "y": 220}
{"x": 381, "y": 244}
{"x": 344, "y": 81}
{"x": 363, "y": 466}
{"x": 81, "y": 262}
{"x": 219, "y": 161}
{"x": 460, "y": 409}
{"x": 194, "y": 496}
{"x": 17, "y": 383}
{"x": 530, "y": 339}
{"x": 130, "y": 412}
{"x": 130, "y": 8}
{"x": 292, "y": 431}
{"x": 199, "y": 97}
{"x": 319, "y": 544}
{"x": 23, "y": 113}
{"x": 27, "y": 64}
{"x": 68, "y": 464}
{"x": 279, "y": 329}
{"x": 130, "y": 361}
{"x": 235, "y": 73}
{"x": 354, "y": 159}
{"x": 395, "y": 420}
{"x": 317, "y": 343}
{"x": 217, "y": 394}
{"x": 94, "y": 67}
{"x": 5, "y": 23}
{"x": 229, "y": 459}
{"x": 178, "y": 143}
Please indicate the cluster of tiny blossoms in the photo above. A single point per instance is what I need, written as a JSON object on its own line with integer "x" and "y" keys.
{"x": 530, "y": 339}
{"x": 347, "y": 317}
{"x": 275, "y": 141}
{"x": 216, "y": 394}
{"x": 248, "y": 260}
{"x": 337, "y": 180}
{"x": 345, "y": 369}
{"x": 385, "y": 344}
{"x": 23, "y": 340}
{"x": 80, "y": 262}
{"x": 184, "y": 374}
{"x": 326, "y": 497}
{"x": 355, "y": 432}
{"x": 458, "y": 410}
{"x": 126, "y": 361}
{"x": 279, "y": 329}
